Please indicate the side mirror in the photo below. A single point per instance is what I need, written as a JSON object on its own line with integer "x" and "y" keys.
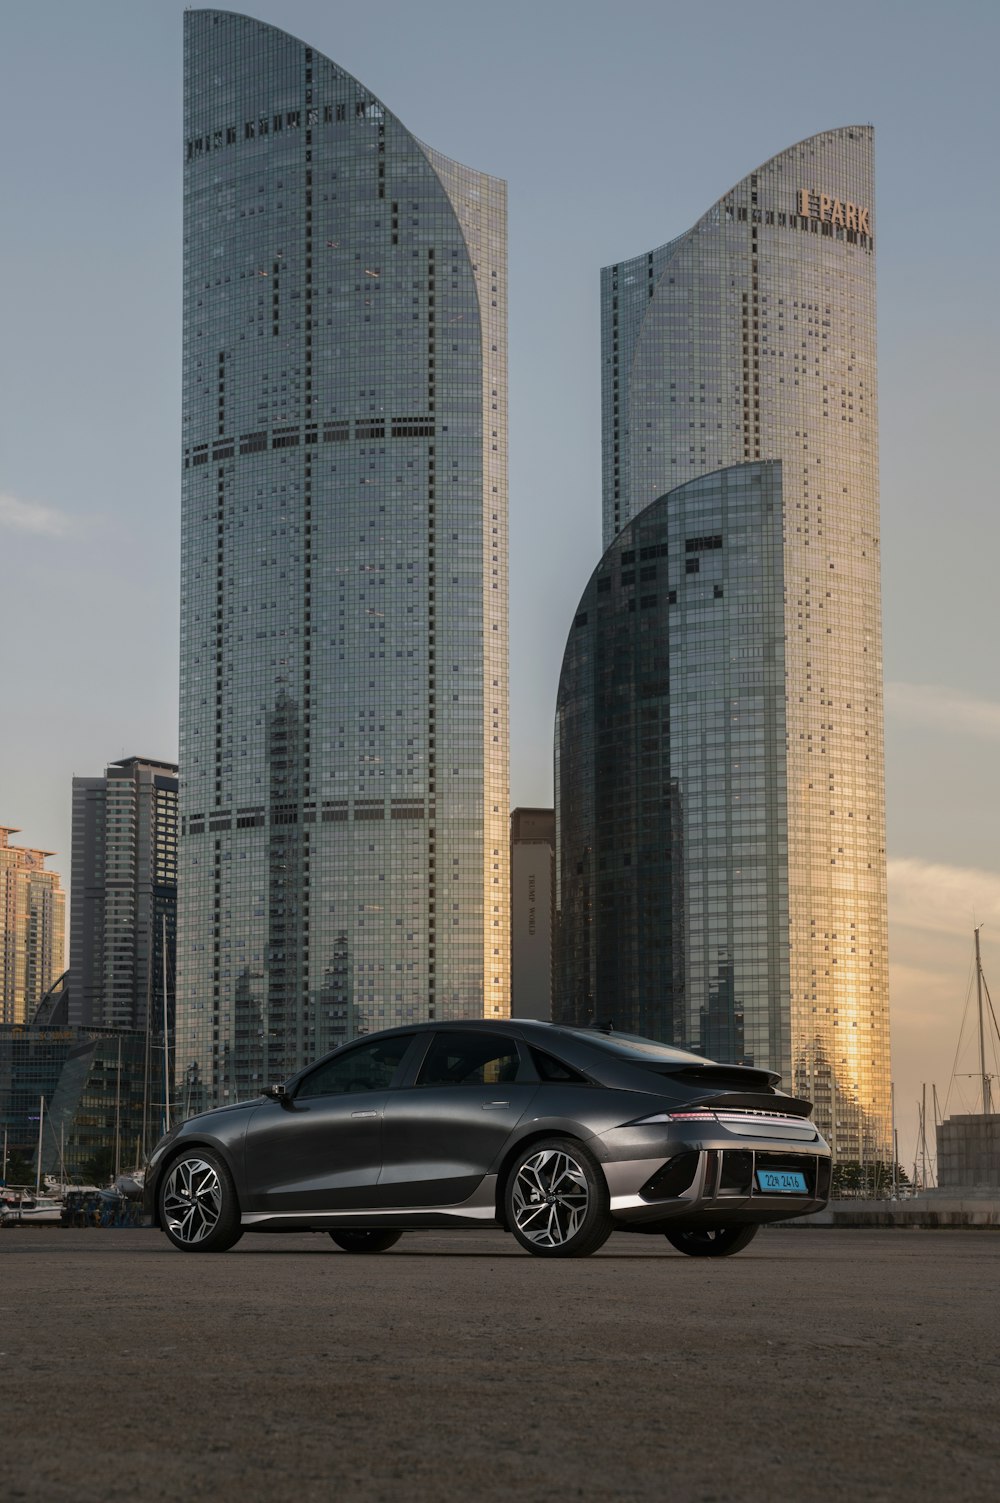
{"x": 278, "y": 1093}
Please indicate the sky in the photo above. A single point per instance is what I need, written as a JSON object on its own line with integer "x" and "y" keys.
{"x": 616, "y": 128}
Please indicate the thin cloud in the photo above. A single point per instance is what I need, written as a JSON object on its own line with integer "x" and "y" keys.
{"x": 31, "y": 516}
{"x": 939, "y": 708}
{"x": 927, "y": 895}
{"x": 927, "y": 1000}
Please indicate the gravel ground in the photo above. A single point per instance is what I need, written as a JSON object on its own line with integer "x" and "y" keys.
{"x": 814, "y": 1365}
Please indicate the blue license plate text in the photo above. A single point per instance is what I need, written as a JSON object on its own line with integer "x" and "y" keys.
{"x": 781, "y": 1181}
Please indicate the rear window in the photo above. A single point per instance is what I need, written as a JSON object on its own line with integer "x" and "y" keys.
{"x": 644, "y": 1051}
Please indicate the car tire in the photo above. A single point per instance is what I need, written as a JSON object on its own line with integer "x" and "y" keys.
{"x": 556, "y": 1200}
{"x": 365, "y": 1242}
{"x": 713, "y": 1242}
{"x": 198, "y": 1205}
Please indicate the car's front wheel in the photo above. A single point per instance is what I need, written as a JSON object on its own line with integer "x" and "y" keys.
{"x": 557, "y": 1200}
{"x": 362, "y": 1241}
{"x": 713, "y": 1242}
{"x": 199, "y": 1209}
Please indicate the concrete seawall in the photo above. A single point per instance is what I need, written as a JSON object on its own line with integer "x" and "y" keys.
{"x": 932, "y": 1210}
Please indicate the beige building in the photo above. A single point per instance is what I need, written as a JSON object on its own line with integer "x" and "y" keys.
{"x": 32, "y": 928}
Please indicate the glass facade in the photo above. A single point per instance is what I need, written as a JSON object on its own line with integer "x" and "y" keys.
{"x": 670, "y": 781}
{"x": 91, "y": 1081}
{"x": 751, "y": 338}
{"x": 343, "y": 850}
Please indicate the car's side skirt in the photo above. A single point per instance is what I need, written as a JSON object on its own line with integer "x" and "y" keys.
{"x": 478, "y": 1210}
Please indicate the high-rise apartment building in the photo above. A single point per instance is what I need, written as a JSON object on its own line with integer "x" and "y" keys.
{"x": 32, "y": 928}
{"x": 343, "y": 849}
{"x": 123, "y": 918}
{"x": 733, "y": 697}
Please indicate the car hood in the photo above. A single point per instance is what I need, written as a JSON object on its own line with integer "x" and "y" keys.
{"x": 218, "y": 1112}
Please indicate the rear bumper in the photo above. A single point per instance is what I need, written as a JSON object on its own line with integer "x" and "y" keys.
{"x": 713, "y": 1181}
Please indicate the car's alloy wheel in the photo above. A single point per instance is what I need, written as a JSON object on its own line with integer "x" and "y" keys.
{"x": 366, "y": 1241}
{"x": 557, "y": 1200}
{"x": 713, "y": 1242}
{"x": 199, "y": 1210}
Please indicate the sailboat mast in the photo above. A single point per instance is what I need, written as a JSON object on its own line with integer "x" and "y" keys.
{"x": 118, "y": 1114}
{"x": 166, "y": 1051}
{"x": 895, "y": 1163}
{"x": 987, "y": 1102}
{"x": 41, "y": 1124}
{"x": 147, "y": 1052}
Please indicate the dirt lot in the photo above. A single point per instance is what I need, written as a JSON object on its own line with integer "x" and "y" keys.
{"x": 816, "y": 1364}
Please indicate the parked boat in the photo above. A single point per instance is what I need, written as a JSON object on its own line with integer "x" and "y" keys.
{"x": 29, "y": 1210}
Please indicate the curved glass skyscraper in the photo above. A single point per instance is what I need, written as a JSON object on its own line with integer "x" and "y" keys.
{"x": 671, "y": 776}
{"x": 747, "y": 342}
{"x": 344, "y": 781}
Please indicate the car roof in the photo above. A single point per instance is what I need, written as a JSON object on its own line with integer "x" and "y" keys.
{"x": 627, "y": 1046}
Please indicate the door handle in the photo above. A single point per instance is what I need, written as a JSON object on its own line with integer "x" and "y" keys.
{"x": 364, "y": 1114}
{"x": 492, "y": 1106}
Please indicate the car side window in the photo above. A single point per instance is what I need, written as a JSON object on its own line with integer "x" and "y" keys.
{"x": 470, "y": 1059}
{"x": 552, "y": 1069}
{"x": 368, "y": 1067}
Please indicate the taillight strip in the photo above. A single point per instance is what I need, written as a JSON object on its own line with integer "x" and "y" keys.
{"x": 770, "y": 1118}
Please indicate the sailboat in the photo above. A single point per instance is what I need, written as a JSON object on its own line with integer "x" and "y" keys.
{"x": 21, "y": 1207}
{"x": 968, "y": 1145}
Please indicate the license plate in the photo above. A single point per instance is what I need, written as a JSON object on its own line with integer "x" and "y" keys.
{"x": 781, "y": 1181}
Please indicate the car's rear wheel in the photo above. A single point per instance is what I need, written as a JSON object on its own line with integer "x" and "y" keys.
{"x": 199, "y": 1209}
{"x": 362, "y": 1241}
{"x": 713, "y": 1242}
{"x": 556, "y": 1200}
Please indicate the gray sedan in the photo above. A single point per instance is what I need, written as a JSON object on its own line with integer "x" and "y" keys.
{"x": 559, "y": 1135}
